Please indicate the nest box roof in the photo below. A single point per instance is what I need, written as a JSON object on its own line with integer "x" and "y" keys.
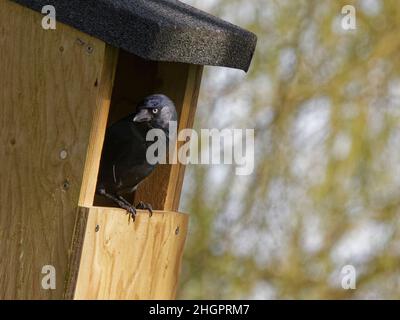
{"x": 162, "y": 30}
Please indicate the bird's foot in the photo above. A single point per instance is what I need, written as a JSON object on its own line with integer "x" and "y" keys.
{"x": 123, "y": 203}
{"x": 145, "y": 206}
{"x": 131, "y": 210}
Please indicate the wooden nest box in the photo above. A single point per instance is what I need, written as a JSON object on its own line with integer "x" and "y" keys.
{"x": 59, "y": 91}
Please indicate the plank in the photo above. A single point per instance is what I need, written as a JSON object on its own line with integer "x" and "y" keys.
{"x": 48, "y": 97}
{"x": 75, "y": 252}
{"x": 126, "y": 260}
{"x": 99, "y": 124}
{"x": 186, "y": 120}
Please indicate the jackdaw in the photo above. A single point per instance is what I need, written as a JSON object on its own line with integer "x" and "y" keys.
{"x": 123, "y": 163}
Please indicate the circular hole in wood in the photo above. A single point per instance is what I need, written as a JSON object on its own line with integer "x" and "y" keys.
{"x": 66, "y": 185}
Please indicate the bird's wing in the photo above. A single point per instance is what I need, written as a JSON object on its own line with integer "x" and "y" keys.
{"x": 130, "y": 175}
{"x": 123, "y": 163}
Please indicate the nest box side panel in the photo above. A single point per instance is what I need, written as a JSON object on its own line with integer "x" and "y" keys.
{"x": 136, "y": 260}
{"x": 186, "y": 120}
{"x": 49, "y": 94}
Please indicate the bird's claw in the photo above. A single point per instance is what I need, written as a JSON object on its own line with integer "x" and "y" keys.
{"x": 145, "y": 206}
{"x": 132, "y": 212}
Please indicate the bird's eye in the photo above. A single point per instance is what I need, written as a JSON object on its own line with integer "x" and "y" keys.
{"x": 155, "y": 111}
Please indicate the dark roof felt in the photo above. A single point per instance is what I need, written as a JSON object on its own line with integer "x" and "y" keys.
{"x": 162, "y": 30}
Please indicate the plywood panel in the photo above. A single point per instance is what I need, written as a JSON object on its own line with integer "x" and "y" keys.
{"x": 122, "y": 260}
{"x": 186, "y": 120}
{"x": 49, "y": 88}
{"x": 99, "y": 124}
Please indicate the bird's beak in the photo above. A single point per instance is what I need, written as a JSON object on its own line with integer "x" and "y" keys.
{"x": 142, "y": 116}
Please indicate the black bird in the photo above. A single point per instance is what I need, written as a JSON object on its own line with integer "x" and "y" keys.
{"x": 123, "y": 163}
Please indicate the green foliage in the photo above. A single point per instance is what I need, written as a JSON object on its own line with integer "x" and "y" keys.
{"x": 325, "y": 104}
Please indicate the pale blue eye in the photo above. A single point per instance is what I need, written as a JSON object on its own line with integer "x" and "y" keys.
{"x": 155, "y": 111}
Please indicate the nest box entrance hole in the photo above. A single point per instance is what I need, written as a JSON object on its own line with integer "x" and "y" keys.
{"x": 136, "y": 78}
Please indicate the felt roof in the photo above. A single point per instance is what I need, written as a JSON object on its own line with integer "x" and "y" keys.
{"x": 161, "y": 30}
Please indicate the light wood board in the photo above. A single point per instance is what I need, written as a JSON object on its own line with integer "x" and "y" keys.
{"x": 48, "y": 98}
{"x": 126, "y": 260}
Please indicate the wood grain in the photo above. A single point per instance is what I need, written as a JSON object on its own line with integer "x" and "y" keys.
{"x": 186, "y": 120}
{"x": 123, "y": 260}
{"x": 48, "y": 99}
{"x": 75, "y": 252}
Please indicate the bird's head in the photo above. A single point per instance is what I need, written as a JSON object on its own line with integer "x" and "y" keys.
{"x": 157, "y": 111}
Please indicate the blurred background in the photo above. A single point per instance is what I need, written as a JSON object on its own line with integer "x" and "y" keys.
{"x": 325, "y": 106}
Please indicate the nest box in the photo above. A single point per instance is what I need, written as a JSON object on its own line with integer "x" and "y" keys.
{"x": 59, "y": 91}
